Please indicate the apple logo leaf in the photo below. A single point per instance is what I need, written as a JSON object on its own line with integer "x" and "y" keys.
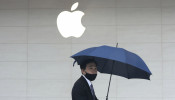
{"x": 74, "y": 6}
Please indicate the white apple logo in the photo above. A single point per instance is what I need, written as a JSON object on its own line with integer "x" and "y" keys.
{"x": 69, "y": 23}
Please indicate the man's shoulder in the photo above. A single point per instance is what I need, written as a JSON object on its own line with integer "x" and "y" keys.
{"x": 80, "y": 83}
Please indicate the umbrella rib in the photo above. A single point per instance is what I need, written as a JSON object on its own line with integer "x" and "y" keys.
{"x": 104, "y": 65}
{"x": 127, "y": 72}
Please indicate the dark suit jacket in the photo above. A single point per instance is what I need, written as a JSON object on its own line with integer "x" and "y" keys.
{"x": 81, "y": 90}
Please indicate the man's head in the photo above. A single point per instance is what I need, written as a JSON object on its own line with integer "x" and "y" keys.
{"x": 89, "y": 69}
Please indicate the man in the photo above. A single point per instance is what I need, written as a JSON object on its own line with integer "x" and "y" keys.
{"x": 83, "y": 89}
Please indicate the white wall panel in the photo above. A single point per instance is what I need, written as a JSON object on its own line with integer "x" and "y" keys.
{"x": 35, "y": 61}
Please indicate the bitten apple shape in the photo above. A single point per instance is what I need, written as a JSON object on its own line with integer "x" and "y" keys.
{"x": 69, "y": 23}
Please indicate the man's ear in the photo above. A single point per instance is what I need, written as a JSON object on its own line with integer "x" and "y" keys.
{"x": 83, "y": 71}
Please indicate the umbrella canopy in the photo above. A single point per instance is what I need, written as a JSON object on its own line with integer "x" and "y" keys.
{"x": 117, "y": 61}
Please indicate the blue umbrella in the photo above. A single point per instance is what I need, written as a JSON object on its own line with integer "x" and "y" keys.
{"x": 115, "y": 61}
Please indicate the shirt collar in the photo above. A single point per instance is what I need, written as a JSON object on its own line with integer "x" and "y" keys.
{"x": 89, "y": 82}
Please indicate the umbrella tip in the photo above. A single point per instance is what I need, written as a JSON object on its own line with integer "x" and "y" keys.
{"x": 117, "y": 45}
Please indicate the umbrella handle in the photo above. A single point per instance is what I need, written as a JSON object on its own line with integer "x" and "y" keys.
{"x": 110, "y": 81}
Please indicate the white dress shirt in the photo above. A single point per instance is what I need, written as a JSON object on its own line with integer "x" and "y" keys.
{"x": 88, "y": 81}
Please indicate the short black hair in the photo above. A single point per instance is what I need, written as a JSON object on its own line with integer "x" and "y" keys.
{"x": 83, "y": 65}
